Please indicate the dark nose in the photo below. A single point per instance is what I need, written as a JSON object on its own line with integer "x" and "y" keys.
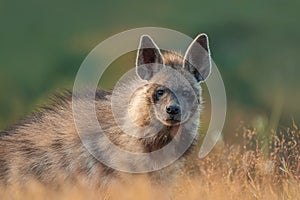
{"x": 173, "y": 109}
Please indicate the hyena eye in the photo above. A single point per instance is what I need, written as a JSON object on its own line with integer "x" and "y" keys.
{"x": 159, "y": 93}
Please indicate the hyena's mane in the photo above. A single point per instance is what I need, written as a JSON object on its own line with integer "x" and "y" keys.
{"x": 57, "y": 103}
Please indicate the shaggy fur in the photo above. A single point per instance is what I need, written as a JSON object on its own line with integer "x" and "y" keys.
{"x": 46, "y": 146}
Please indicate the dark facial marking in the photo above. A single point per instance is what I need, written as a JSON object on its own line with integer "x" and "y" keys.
{"x": 159, "y": 93}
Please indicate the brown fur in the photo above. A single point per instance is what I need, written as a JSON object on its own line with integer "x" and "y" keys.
{"x": 46, "y": 146}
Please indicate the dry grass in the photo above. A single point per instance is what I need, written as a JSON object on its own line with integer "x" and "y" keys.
{"x": 259, "y": 168}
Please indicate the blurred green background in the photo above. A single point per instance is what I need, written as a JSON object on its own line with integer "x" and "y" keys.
{"x": 255, "y": 44}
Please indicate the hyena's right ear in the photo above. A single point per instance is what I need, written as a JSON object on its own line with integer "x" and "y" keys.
{"x": 149, "y": 58}
{"x": 197, "y": 58}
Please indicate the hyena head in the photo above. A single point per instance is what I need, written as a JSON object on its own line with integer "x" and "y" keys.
{"x": 172, "y": 91}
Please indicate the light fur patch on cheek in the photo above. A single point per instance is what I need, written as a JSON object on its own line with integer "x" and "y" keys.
{"x": 139, "y": 109}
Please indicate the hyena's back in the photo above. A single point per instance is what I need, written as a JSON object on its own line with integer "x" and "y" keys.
{"x": 46, "y": 147}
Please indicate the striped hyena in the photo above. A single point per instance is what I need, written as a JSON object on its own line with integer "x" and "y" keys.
{"x": 163, "y": 109}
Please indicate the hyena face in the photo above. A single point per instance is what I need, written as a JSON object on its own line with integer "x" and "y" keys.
{"x": 172, "y": 104}
{"x": 166, "y": 105}
{"x": 172, "y": 88}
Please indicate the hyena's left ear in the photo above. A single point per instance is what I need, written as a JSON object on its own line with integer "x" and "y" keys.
{"x": 197, "y": 58}
{"x": 149, "y": 58}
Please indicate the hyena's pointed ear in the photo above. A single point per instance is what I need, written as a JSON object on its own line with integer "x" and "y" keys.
{"x": 197, "y": 58}
{"x": 149, "y": 58}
